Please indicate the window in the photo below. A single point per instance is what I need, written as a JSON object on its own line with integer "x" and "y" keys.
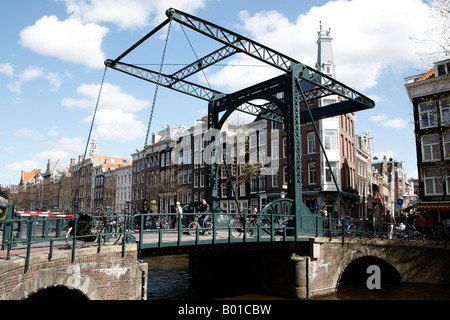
{"x": 430, "y": 148}
{"x": 312, "y": 178}
{"x": 262, "y": 138}
{"x": 334, "y": 166}
{"x": 311, "y": 146}
{"x": 433, "y": 181}
{"x": 427, "y": 114}
{"x": 284, "y": 147}
{"x": 331, "y": 140}
{"x": 445, "y": 111}
{"x": 242, "y": 189}
{"x": 446, "y": 142}
{"x": 253, "y": 141}
{"x": 253, "y": 184}
{"x": 275, "y": 152}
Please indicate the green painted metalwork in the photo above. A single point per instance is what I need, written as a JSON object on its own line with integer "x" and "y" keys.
{"x": 285, "y": 94}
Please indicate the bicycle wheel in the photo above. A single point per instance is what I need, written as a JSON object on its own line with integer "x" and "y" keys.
{"x": 69, "y": 239}
{"x": 193, "y": 226}
{"x": 418, "y": 236}
{"x": 164, "y": 222}
{"x": 112, "y": 237}
{"x": 351, "y": 231}
{"x": 236, "y": 228}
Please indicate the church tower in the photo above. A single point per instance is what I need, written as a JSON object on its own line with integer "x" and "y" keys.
{"x": 94, "y": 146}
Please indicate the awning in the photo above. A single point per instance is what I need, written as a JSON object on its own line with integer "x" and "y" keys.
{"x": 434, "y": 206}
{"x": 351, "y": 196}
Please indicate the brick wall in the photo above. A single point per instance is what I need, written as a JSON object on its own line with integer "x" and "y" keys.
{"x": 103, "y": 276}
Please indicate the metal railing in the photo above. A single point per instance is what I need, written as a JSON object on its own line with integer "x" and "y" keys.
{"x": 163, "y": 230}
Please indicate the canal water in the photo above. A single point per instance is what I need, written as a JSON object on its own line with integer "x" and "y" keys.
{"x": 169, "y": 280}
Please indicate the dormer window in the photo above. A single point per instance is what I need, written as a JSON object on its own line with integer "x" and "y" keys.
{"x": 443, "y": 69}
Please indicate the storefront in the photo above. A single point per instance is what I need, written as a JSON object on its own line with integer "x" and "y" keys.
{"x": 440, "y": 211}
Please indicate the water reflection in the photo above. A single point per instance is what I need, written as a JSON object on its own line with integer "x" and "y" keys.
{"x": 409, "y": 291}
{"x": 169, "y": 280}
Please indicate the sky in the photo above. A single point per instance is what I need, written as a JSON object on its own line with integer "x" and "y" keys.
{"x": 52, "y": 64}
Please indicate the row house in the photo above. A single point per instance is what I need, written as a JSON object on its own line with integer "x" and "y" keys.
{"x": 429, "y": 94}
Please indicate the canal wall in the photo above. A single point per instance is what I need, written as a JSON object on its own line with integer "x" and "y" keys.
{"x": 104, "y": 275}
{"x": 316, "y": 267}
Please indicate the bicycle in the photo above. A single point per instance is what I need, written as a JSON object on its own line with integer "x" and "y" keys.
{"x": 198, "y": 223}
{"x": 237, "y": 226}
{"x": 442, "y": 234}
{"x": 344, "y": 226}
{"x": 109, "y": 229}
{"x": 402, "y": 232}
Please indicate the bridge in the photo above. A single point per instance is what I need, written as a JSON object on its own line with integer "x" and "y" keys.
{"x": 288, "y": 250}
{"x": 37, "y": 260}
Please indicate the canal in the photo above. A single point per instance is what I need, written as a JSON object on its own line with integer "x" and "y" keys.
{"x": 169, "y": 280}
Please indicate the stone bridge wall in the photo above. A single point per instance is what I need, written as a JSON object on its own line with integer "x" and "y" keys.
{"x": 415, "y": 262}
{"x": 98, "y": 276}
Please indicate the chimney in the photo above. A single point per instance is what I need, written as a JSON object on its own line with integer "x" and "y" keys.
{"x": 72, "y": 162}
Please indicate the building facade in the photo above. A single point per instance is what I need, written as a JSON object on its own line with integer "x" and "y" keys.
{"x": 430, "y": 96}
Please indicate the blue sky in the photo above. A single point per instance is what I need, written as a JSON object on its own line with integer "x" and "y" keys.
{"x": 52, "y": 53}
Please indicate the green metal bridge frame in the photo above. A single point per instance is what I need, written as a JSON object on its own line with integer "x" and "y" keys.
{"x": 300, "y": 86}
{"x": 291, "y": 99}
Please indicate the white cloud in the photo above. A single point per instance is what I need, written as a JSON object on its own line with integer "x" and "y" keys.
{"x": 397, "y": 123}
{"x": 68, "y": 40}
{"x": 369, "y": 37}
{"x": 28, "y": 133}
{"x": 116, "y": 125}
{"x": 26, "y": 165}
{"x": 378, "y": 118}
{"x": 115, "y": 118}
{"x": 127, "y": 13}
{"x": 7, "y": 68}
{"x": 33, "y": 73}
{"x": 112, "y": 98}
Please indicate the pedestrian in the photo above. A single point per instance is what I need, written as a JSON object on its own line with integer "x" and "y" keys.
{"x": 420, "y": 222}
{"x": 430, "y": 224}
{"x": 390, "y": 224}
{"x": 144, "y": 209}
{"x": 382, "y": 223}
{"x": 403, "y": 219}
{"x": 3, "y": 204}
{"x": 153, "y": 211}
{"x": 179, "y": 215}
{"x": 324, "y": 212}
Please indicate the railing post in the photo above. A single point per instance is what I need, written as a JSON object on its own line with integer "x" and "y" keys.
{"x": 29, "y": 235}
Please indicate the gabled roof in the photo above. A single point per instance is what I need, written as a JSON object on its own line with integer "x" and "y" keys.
{"x": 27, "y": 176}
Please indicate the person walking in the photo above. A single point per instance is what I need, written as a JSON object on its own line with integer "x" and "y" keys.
{"x": 179, "y": 215}
{"x": 153, "y": 211}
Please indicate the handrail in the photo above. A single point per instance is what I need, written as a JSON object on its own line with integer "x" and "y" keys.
{"x": 47, "y": 232}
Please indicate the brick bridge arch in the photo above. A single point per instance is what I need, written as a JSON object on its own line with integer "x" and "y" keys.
{"x": 415, "y": 262}
{"x": 104, "y": 275}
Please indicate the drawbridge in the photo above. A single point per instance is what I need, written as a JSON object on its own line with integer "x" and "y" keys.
{"x": 290, "y": 98}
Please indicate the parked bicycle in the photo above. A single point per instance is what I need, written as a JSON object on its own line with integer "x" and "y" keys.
{"x": 344, "y": 227}
{"x": 109, "y": 229}
{"x": 237, "y": 226}
{"x": 203, "y": 227}
{"x": 442, "y": 234}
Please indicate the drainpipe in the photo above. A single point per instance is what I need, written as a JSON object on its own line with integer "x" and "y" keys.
{"x": 308, "y": 279}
